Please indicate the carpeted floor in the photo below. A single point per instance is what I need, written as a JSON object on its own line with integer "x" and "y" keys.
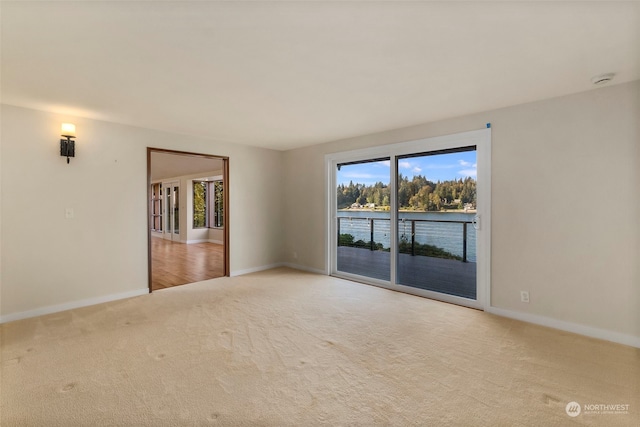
{"x": 287, "y": 348}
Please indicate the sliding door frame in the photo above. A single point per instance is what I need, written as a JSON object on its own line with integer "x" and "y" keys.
{"x": 481, "y": 139}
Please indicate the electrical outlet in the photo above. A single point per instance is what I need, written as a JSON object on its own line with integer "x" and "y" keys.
{"x": 524, "y": 296}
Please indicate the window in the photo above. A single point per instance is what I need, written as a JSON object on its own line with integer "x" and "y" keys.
{"x": 218, "y": 204}
{"x": 200, "y": 204}
{"x": 208, "y": 204}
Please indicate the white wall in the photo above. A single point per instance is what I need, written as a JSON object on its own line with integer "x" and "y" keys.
{"x": 565, "y": 204}
{"x": 48, "y": 261}
{"x": 216, "y": 235}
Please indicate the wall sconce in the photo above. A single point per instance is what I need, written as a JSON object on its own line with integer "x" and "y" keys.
{"x": 68, "y": 145}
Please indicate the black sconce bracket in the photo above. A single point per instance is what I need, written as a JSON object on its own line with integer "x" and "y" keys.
{"x": 67, "y": 148}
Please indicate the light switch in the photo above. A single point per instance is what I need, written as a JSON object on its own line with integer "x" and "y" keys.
{"x": 68, "y": 213}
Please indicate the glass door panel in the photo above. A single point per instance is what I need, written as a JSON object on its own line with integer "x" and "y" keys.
{"x": 176, "y": 209}
{"x": 171, "y": 214}
{"x": 436, "y": 209}
{"x": 363, "y": 218}
{"x": 168, "y": 203}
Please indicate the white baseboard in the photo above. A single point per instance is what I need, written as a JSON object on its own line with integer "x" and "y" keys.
{"x": 279, "y": 264}
{"x": 70, "y": 305}
{"x": 255, "y": 269}
{"x": 218, "y": 242}
{"x": 575, "y": 328}
{"x": 304, "y": 268}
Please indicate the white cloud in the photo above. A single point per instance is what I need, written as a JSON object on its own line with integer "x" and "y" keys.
{"x": 386, "y": 163}
{"x": 437, "y": 166}
{"x": 468, "y": 172}
{"x": 465, "y": 163}
{"x": 417, "y": 169}
{"x": 404, "y": 165}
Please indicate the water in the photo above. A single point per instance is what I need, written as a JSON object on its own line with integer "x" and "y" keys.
{"x": 447, "y": 236}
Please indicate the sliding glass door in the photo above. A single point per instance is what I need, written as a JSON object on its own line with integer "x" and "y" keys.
{"x": 436, "y": 209}
{"x": 408, "y": 216}
{"x": 363, "y": 221}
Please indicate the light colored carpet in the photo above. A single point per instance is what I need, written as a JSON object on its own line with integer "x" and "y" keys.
{"x": 287, "y": 348}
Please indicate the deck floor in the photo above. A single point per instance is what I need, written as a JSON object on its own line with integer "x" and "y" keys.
{"x": 434, "y": 274}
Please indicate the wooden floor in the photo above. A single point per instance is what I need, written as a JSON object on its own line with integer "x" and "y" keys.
{"x": 174, "y": 264}
{"x": 434, "y": 274}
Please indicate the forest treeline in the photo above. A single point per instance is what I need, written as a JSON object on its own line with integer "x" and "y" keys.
{"x": 417, "y": 194}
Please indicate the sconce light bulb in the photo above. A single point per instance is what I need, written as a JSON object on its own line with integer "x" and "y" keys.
{"x": 68, "y": 130}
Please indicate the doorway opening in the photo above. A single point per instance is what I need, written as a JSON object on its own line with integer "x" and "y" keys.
{"x": 188, "y": 217}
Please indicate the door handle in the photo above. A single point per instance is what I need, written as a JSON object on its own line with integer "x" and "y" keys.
{"x": 476, "y": 222}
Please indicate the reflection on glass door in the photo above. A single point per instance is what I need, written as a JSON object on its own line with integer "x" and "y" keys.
{"x": 172, "y": 211}
{"x": 363, "y": 220}
{"x": 437, "y": 202}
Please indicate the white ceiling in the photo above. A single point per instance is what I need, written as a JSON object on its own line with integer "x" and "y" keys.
{"x": 168, "y": 165}
{"x": 290, "y": 74}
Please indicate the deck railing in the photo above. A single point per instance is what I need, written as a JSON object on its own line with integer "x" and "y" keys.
{"x": 371, "y": 225}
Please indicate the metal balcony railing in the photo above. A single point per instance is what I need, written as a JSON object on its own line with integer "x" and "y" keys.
{"x": 361, "y": 224}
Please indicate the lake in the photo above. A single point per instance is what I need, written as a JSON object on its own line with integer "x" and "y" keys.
{"x": 447, "y": 236}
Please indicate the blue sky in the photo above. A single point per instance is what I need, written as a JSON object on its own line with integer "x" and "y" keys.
{"x": 436, "y": 168}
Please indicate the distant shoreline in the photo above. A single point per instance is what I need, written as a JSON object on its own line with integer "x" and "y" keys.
{"x": 409, "y": 210}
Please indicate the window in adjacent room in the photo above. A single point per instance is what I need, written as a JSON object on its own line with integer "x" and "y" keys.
{"x": 208, "y": 204}
{"x": 218, "y": 204}
{"x": 200, "y": 190}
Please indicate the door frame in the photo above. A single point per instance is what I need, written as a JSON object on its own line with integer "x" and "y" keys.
{"x": 482, "y": 140}
{"x": 226, "y": 216}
